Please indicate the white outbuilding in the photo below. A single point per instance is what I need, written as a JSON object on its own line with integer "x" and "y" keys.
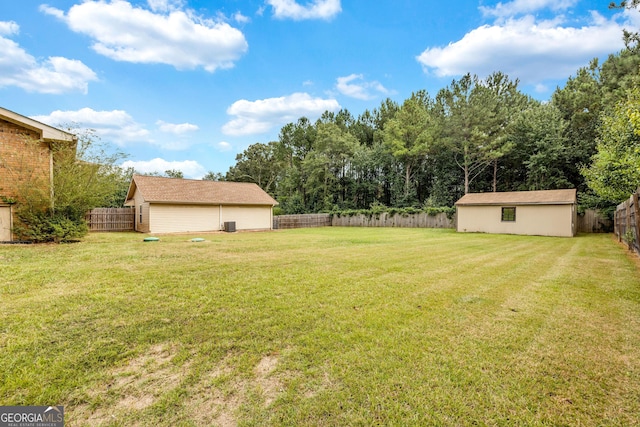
{"x": 172, "y": 205}
{"x": 541, "y": 213}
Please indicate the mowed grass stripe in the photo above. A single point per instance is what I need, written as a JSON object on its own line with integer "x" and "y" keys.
{"x": 332, "y": 326}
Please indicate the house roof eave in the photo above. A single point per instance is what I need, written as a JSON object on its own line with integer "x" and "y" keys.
{"x": 47, "y": 133}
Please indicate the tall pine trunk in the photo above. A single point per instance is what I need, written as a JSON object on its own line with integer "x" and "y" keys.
{"x": 495, "y": 175}
{"x": 407, "y": 179}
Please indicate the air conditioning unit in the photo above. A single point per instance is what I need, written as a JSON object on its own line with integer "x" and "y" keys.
{"x": 230, "y": 226}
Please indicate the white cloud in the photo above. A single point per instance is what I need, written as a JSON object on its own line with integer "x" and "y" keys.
{"x": 114, "y": 126}
{"x": 165, "y": 5}
{"x": 253, "y": 117}
{"x": 354, "y": 86}
{"x": 173, "y": 145}
{"x": 240, "y": 18}
{"x": 176, "y": 129}
{"x": 190, "y": 168}
{"x": 119, "y": 128}
{"x": 318, "y": 9}
{"x": 224, "y": 146}
{"x": 8, "y": 28}
{"x": 45, "y": 8}
{"x": 525, "y": 49}
{"x": 518, "y": 7}
{"x": 175, "y": 37}
{"x": 54, "y": 75}
{"x": 632, "y": 18}
{"x": 541, "y": 88}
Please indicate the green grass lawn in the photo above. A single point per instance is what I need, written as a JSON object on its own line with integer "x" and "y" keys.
{"x": 331, "y": 326}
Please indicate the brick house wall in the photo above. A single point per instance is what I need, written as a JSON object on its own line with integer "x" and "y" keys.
{"x": 25, "y": 160}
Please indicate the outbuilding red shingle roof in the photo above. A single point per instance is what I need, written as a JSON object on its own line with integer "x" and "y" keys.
{"x": 539, "y": 197}
{"x": 156, "y": 189}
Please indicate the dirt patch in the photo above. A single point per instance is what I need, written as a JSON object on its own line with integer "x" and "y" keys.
{"x": 132, "y": 387}
{"x": 270, "y": 384}
{"x": 326, "y": 384}
{"x": 214, "y": 399}
{"x": 213, "y": 404}
{"x": 212, "y": 407}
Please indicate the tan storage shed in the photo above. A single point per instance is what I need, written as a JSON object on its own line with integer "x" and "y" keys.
{"x": 540, "y": 213}
{"x": 172, "y": 205}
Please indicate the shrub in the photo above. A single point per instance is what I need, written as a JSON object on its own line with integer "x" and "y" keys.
{"x": 42, "y": 227}
{"x": 376, "y": 210}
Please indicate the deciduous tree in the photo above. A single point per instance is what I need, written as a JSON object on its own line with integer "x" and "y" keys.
{"x": 615, "y": 171}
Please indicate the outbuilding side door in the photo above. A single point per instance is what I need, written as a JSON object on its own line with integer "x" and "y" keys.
{"x": 5, "y": 223}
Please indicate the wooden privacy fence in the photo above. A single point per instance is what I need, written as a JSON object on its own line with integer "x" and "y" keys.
{"x": 301, "y": 221}
{"x": 111, "y": 219}
{"x": 422, "y": 220}
{"x": 592, "y": 221}
{"x": 627, "y": 222}
{"x": 418, "y": 220}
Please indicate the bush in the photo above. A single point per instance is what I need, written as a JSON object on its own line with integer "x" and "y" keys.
{"x": 376, "y": 210}
{"x": 433, "y": 211}
{"x": 42, "y": 227}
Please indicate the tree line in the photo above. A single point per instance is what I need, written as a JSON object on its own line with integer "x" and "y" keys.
{"x": 475, "y": 135}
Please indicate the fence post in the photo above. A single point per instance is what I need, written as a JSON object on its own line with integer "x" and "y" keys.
{"x": 627, "y": 227}
{"x": 616, "y": 223}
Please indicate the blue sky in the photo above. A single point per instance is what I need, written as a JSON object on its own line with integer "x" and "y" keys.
{"x": 188, "y": 84}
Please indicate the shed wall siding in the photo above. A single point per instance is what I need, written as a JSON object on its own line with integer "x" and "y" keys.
{"x": 539, "y": 220}
{"x": 183, "y": 218}
{"x": 249, "y": 217}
